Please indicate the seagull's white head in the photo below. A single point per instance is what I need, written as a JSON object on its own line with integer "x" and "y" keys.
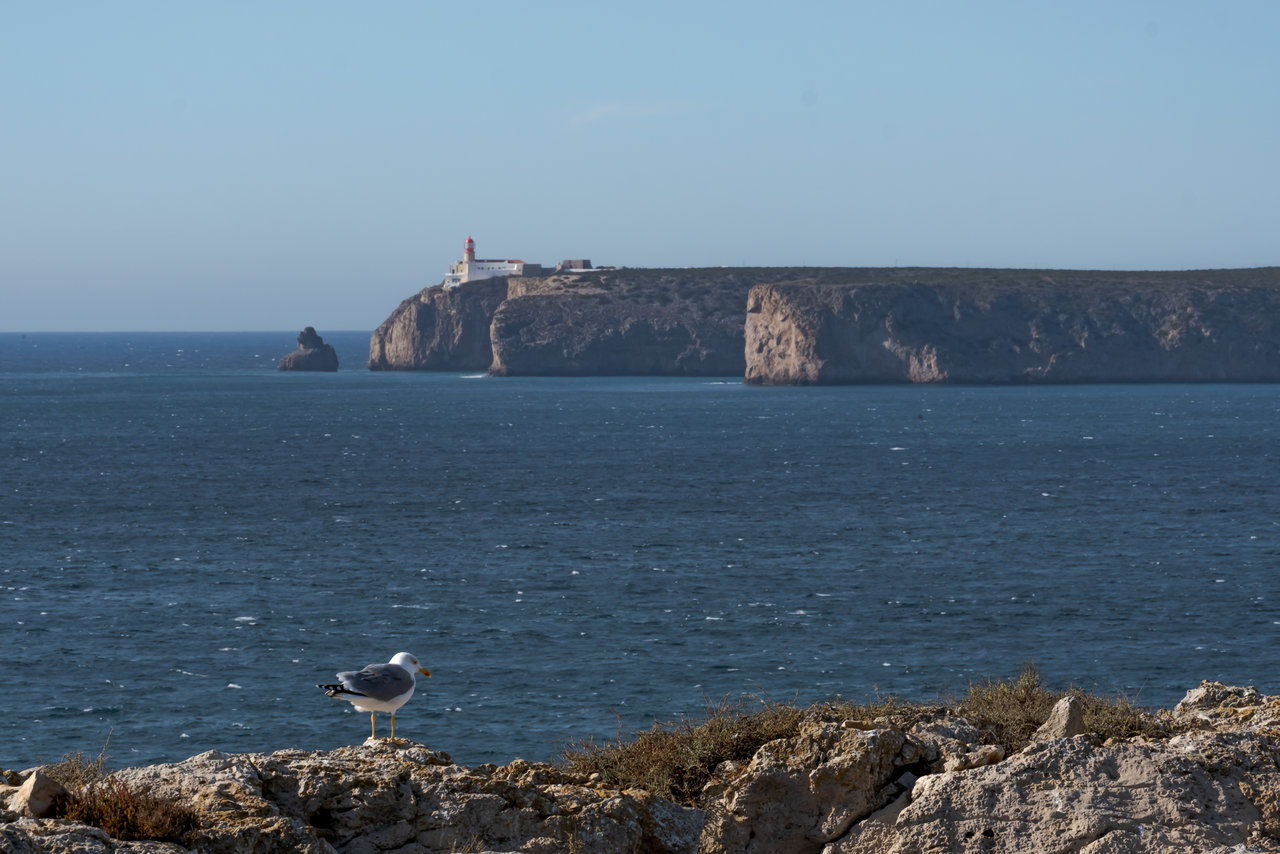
{"x": 409, "y": 663}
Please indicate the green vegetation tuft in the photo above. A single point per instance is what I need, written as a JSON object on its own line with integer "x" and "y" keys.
{"x": 102, "y": 800}
{"x": 676, "y": 760}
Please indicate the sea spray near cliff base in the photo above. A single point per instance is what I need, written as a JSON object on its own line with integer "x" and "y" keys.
{"x": 176, "y": 530}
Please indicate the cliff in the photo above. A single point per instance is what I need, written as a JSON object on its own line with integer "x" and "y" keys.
{"x": 971, "y": 326}
{"x": 1206, "y": 778}
{"x": 849, "y": 325}
{"x": 439, "y": 330}
{"x": 618, "y": 323}
{"x": 685, "y": 322}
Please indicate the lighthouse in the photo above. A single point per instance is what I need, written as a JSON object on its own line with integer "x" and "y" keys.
{"x": 469, "y": 269}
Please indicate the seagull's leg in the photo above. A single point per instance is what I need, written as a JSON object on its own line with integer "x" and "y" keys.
{"x": 373, "y": 732}
{"x": 393, "y": 726}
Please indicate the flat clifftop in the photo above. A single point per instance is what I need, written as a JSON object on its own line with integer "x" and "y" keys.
{"x": 1202, "y": 777}
{"x": 1019, "y": 327}
{"x": 775, "y": 325}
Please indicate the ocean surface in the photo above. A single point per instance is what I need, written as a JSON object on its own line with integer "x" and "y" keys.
{"x": 190, "y": 540}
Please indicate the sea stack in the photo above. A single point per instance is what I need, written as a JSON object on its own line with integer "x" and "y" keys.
{"x": 312, "y": 354}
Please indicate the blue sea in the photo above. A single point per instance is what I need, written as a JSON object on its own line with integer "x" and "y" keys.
{"x": 191, "y": 540}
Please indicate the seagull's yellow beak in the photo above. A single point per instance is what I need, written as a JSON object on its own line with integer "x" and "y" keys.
{"x": 424, "y": 671}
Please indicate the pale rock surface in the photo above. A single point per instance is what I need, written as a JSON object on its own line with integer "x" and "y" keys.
{"x": 36, "y": 796}
{"x": 798, "y": 793}
{"x": 1066, "y": 720}
{"x": 439, "y": 330}
{"x": 1214, "y": 787}
{"x": 838, "y": 787}
{"x": 32, "y": 836}
{"x": 1072, "y": 795}
{"x": 988, "y": 754}
{"x": 385, "y": 796}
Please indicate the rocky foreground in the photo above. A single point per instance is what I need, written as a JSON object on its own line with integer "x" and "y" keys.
{"x": 839, "y": 787}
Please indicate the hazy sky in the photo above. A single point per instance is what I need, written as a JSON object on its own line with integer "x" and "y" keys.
{"x": 266, "y": 166}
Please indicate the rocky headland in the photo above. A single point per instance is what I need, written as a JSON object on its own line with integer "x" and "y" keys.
{"x": 604, "y": 322}
{"x": 804, "y": 325}
{"x": 312, "y": 354}
{"x": 1204, "y": 777}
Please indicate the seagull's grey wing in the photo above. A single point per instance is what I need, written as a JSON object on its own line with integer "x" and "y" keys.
{"x": 379, "y": 681}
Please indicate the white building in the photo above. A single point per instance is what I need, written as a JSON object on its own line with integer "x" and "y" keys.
{"x": 469, "y": 269}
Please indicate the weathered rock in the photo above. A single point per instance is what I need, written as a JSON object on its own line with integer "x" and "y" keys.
{"x": 838, "y": 787}
{"x": 1018, "y": 326}
{"x": 312, "y": 354}
{"x": 385, "y": 796}
{"x": 1214, "y": 787}
{"x": 684, "y": 322}
{"x": 1072, "y": 795}
{"x": 988, "y": 754}
{"x": 1219, "y": 705}
{"x": 1066, "y": 720}
{"x": 29, "y": 836}
{"x": 944, "y": 737}
{"x": 37, "y": 795}
{"x": 800, "y": 793}
{"x": 439, "y": 330}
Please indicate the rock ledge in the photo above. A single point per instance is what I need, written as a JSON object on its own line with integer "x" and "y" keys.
{"x": 837, "y": 787}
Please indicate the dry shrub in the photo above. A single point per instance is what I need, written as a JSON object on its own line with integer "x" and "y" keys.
{"x": 1009, "y": 713}
{"x": 1118, "y": 717}
{"x": 675, "y": 760}
{"x": 76, "y": 772}
{"x": 97, "y": 798}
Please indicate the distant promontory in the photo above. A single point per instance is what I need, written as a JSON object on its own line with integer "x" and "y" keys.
{"x": 814, "y": 326}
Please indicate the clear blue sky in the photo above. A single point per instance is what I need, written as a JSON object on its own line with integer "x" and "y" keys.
{"x": 265, "y": 166}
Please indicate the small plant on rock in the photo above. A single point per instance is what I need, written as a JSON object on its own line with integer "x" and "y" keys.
{"x": 1008, "y": 713}
{"x": 97, "y": 798}
{"x": 676, "y": 759}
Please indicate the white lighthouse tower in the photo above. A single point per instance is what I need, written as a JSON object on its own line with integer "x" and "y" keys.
{"x": 469, "y": 269}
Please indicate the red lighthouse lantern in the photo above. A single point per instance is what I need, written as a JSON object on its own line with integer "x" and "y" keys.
{"x": 469, "y": 250}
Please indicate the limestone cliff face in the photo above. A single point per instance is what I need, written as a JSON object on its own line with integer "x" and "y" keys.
{"x": 793, "y": 325}
{"x": 641, "y": 322}
{"x": 439, "y": 330}
{"x": 566, "y": 335}
{"x": 685, "y": 322}
{"x": 974, "y": 326}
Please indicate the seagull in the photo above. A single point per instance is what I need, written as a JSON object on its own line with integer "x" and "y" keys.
{"x": 378, "y": 688}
